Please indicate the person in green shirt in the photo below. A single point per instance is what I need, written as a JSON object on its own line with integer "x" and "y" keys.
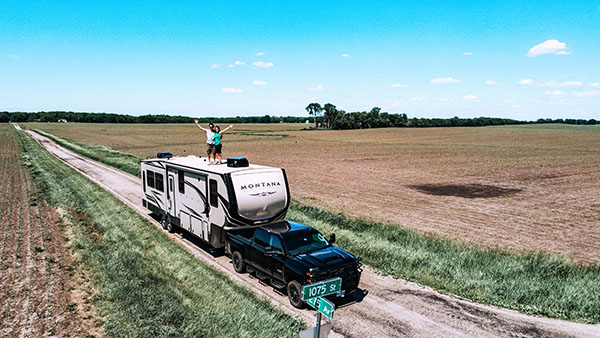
{"x": 218, "y": 144}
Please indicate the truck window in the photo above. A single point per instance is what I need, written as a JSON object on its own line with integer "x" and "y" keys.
{"x": 158, "y": 182}
{"x": 261, "y": 237}
{"x": 150, "y": 178}
{"x": 275, "y": 242}
{"x": 214, "y": 199}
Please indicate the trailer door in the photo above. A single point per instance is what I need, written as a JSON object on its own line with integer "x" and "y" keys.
{"x": 171, "y": 195}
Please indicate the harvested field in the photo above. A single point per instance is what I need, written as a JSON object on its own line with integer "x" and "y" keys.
{"x": 41, "y": 292}
{"x": 518, "y": 187}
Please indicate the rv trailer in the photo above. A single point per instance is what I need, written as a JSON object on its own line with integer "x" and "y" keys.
{"x": 207, "y": 200}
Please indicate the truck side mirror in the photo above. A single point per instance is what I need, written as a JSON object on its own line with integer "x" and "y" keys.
{"x": 331, "y": 238}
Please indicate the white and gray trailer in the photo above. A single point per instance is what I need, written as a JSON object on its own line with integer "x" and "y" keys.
{"x": 206, "y": 200}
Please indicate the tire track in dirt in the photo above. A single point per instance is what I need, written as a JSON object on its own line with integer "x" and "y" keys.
{"x": 34, "y": 260}
{"x": 392, "y": 307}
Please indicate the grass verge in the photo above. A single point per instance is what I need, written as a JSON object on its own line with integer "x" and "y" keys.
{"x": 147, "y": 284}
{"x": 128, "y": 163}
{"x": 534, "y": 283}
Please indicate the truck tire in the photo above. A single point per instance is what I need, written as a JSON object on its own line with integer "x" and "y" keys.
{"x": 294, "y": 291}
{"x": 238, "y": 262}
{"x": 163, "y": 221}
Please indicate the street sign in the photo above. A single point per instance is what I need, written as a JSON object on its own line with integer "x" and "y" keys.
{"x": 322, "y": 305}
{"x": 322, "y": 288}
{"x": 326, "y": 307}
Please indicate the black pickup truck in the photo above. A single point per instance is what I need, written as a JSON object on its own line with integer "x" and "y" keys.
{"x": 289, "y": 255}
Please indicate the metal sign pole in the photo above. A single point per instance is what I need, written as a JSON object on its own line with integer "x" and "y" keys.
{"x": 318, "y": 328}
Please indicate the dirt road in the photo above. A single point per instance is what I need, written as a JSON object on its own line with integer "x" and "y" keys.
{"x": 391, "y": 307}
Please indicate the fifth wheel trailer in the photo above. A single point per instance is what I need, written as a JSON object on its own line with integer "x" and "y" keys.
{"x": 207, "y": 200}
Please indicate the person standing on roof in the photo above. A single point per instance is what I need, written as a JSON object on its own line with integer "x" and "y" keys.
{"x": 218, "y": 144}
{"x": 210, "y": 141}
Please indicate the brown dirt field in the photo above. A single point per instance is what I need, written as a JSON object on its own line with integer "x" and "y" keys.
{"x": 40, "y": 292}
{"x": 519, "y": 187}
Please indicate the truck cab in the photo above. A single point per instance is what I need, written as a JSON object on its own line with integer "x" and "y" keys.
{"x": 289, "y": 255}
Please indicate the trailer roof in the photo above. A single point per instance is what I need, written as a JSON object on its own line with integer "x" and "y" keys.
{"x": 196, "y": 162}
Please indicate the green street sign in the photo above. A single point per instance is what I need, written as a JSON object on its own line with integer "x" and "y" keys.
{"x": 322, "y": 305}
{"x": 322, "y": 288}
{"x": 326, "y": 307}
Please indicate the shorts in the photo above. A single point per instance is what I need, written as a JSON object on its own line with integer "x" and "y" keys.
{"x": 218, "y": 148}
{"x": 210, "y": 149}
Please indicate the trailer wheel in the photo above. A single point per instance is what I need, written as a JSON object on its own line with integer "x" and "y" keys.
{"x": 295, "y": 294}
{"x": 166, "y": 223}
{"x": 238, "y": 262}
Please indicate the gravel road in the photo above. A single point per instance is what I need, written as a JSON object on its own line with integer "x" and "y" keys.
{"x": 387, "y": 307}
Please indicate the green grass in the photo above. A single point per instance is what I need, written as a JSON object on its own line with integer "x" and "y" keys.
{"x": 534, "y": 283}
{"x": 128, "y": 163}
{"x": 147, "y": 284}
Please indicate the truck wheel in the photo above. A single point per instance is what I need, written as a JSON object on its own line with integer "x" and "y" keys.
{"x": 295, "y": 294}
{"x": 238, "y": 262}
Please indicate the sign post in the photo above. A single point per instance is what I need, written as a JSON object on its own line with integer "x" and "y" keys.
{"x": 313, "y": 295}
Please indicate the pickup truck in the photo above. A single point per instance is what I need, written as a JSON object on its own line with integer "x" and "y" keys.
{"x": 289, "y": 255}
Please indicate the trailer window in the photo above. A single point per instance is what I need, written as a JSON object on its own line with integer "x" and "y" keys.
{"x": 150, "y": 178}
{"x": 158, "y": 182}
{"x": 144, "y": 179}
{"x": 214, "y": 193}
{"x": 181, "y": 180}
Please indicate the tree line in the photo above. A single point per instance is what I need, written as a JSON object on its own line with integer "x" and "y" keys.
{"x": 54, "y": 116}
{"x": 328, "y": 116}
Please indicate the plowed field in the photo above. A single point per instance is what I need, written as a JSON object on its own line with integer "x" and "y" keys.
{"x": 519, "y": 187}
{"x": 40, "y": 291}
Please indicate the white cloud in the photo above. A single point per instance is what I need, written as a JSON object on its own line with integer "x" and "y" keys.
{"x": 467, "y": 53}
{"x": 262, "y": 64}
{"x": 587, "y": 94}
{"x": 444, "y": 80}
{"x": 527, "y": 82}
{"x": 445, "y": 99}
{"x": 345, "y": 55}
{"x": 417, "y": 99}
{"x": 316, "y": 88}
{"x": 595, "y": 84}
{"x": 509, "y": 101}
{"x": 555, "y": 92}
{"x": 14, "y": 56}
{"x": 260, "y": 54}
{"x": 232, "y": 90}
{"x": 549, "y": 47}
{"x": 239, "y": 63}
{"x": 560, "y": 84}
{"x": 396, "y": 103}
{"x": 491, "y": 82}
{"x": 399, "y": 85}
{"x": 215, "y": 65}
{"x": 470, "y": 97}
{"x": 230, "y": 65}
{"x": 259, "y": 83}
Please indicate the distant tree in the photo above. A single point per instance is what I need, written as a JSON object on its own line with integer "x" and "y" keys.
{"x": 329, "y": 113}
{"x": 315, "y": 110}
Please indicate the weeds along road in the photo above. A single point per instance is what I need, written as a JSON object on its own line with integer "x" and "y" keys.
{"x": 391, "y": 308}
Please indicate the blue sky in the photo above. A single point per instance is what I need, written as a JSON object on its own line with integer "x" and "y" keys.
{"x": 517, "y": 59}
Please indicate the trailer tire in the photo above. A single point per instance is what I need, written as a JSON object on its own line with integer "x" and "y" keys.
{"x": 166, "y": 223}
{"x": 238, "y": 262}
{"x": 295, "y": 294}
